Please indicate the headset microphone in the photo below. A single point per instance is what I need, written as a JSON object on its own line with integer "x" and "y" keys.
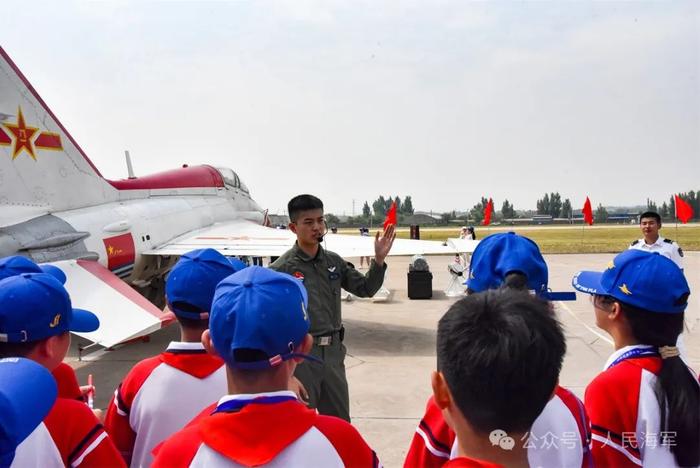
{"x": 325, "y": 231}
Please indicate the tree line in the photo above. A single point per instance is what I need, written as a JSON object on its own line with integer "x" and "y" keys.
{"x": 668, "y": 210}
{"x": 376, "y": 212}
{"x": 550, "y": 204}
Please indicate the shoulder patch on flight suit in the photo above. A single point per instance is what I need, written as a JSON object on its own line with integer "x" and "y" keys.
{"x": 635, "y": 242}
{"x": 680, "y": 251}
{"x": 668, "y": 241}
{"x": 298, "y": 275}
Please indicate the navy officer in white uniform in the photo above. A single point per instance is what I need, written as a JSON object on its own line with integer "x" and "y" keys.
{"x": 650, "y": 223}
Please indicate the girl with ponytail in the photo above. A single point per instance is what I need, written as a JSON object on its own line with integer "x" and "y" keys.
{"x": 645, "y": 406}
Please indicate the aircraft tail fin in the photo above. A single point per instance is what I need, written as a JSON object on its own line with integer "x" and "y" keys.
{"x": 42, "y": 168}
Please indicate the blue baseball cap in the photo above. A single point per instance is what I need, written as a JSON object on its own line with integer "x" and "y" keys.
{"x": 237, "y": 263}
{"x": 261, "y": 313}
{"x": 193, "y": 280}
{"x": 27, "y": 393}
{"x": 498, "y": 255}
{"x": 34, "y": 306}
{"x": 16, "y": 264}
{"x": 645, "y": 280}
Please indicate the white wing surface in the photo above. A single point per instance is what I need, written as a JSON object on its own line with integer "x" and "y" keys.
{"x": 124, "y": 314}
{"x": 240, "y": 237}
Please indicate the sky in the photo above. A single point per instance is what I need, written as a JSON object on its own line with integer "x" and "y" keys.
{"x": 444, "y": 101}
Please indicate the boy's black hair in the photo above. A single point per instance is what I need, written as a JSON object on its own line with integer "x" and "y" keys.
{"x": 301, "y": 203}
{"x": 17, "y": 349}
{"x": 513, "y": 280}
{"x": 650, "y": 214}
{"x": 188, "y": 322}
{"x": 500, "y": 352}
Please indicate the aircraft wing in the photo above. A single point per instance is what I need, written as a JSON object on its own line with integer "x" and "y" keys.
{"x": 124, "y": 314}
{"x": 240, "y": 237}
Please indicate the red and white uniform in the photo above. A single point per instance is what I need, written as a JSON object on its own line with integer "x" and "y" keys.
{"x": 67, "y": 382}
{"x": 625, "y": 414}
{"x": 266, "y": 429}
{"x": 160, "y": 395}
{"x": 560, "y": 436}
{"x": 70, "y": 435}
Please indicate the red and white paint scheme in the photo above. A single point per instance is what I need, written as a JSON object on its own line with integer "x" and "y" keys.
{"x": 110, "y": 237}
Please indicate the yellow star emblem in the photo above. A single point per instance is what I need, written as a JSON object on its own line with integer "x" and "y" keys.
{"x": 23, "y": 134}
{"x": 611, "y": 265}
{"x": 624, "y": 289}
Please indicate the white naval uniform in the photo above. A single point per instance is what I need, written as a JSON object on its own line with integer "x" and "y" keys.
{"x": 665, "y": 247}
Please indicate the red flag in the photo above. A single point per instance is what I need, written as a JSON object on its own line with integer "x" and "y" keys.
{"x": 488, "y": 210}
{"x": 587, "y": 212}
{"x": 683, "y": 210}
{"x": 390, "y": 216}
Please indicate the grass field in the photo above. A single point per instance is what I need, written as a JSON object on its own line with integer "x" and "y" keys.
{"x": 565, "y": 239}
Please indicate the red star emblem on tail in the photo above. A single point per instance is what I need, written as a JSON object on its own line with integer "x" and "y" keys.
{"x": 23, "y": 136}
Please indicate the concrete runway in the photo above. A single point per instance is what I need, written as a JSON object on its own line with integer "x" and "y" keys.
{"x": 391, "y": 348}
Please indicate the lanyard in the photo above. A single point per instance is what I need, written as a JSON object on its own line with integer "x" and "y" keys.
{"x": 635, "y": 352}
{"x": 233, "y": 406}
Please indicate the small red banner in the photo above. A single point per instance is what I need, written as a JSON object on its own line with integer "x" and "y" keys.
{"x": 120, "y": 251}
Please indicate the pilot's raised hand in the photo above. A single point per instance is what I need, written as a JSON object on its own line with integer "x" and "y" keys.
{"x": 383, "y": 243}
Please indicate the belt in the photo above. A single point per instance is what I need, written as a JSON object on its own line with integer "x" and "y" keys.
{"x": 330, "y": 338}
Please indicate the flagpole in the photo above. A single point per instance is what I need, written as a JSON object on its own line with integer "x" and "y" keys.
{"x": 677, "y": 239}
{"x": 675, "y": 206}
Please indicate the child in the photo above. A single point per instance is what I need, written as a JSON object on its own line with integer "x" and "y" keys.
{"x": 499, "y": 354}
{"x": 161, "y": 394}
{"x": 64, "y": 374}
{"x": 27, "y": 393}
{"x": 36, "y": 316}
{"x": 259, "y": 326}
{"x": 645, "y": 405}
{"x": 511, "y": 261}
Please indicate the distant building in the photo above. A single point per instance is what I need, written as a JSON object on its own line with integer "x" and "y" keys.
{"x": 420, "y": 219}
{"x": 542, "y": 219}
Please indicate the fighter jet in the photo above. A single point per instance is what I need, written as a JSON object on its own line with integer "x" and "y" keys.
{"x": 117, "y": 239}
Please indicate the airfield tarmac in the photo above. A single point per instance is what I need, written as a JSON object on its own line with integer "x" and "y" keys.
{"x": 391, "y": 348}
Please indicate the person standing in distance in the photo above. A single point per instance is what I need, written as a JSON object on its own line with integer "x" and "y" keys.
{"x": 324, "y": 273}
{"x": 650, "y": 223}
{"x": 364, "y": 232}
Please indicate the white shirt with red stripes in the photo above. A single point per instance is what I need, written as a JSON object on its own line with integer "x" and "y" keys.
{"x": 625, "y": 413}
{"x": 559, "y": 436}
{"x": 160, "y": 395}
{"x": 70, "y": 435}
{"x": 265, "y": 429}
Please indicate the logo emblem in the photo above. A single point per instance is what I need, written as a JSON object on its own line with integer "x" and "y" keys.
{"x": 298, "y": 275}
{"x": 611, "y": 265}
{"x": 624, "y": 289}
{"x": 331, "y": 269}
{"x": 500, "y": 438}
{"x": 27, "y": 138}
{"x": 55, "y": 321}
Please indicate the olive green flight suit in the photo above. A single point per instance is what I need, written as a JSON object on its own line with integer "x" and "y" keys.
{"x": 323, "y": 276}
